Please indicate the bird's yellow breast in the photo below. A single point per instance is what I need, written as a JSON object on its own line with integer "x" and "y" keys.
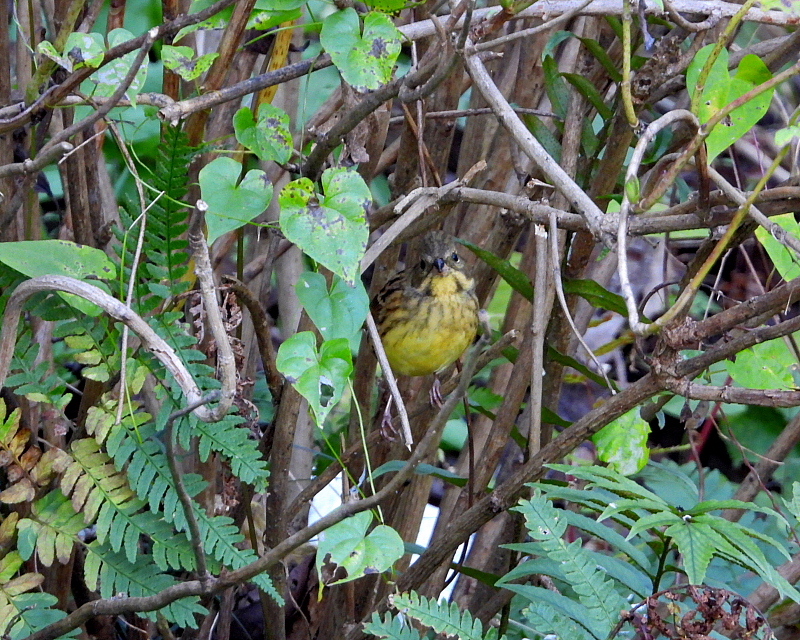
{"x": 426, "y": 333}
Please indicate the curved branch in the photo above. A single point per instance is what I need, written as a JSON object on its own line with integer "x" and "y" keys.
{"x": 226, "y": 362}
{"x": 649, "y": 135}
{"x": 38, "y": 163}
{"x": 113, "y": 307}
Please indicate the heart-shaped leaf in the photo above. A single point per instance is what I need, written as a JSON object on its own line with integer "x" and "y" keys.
{"x": 338, "y": 313}
{"x": 365, "y": 61}
{"x": 232, "y": 205}
{"x": 348, "y": 545}
{"x": 764, "y": 366}
{"x": 319, "y": 376}
{"x": 269, "y": 138}
{"x": 333, "y": 229}
{"x": 623, "y": 443}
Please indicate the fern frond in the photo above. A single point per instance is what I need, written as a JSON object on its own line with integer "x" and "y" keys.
{"x": 547, "y": 622}
{"x": 92, "y": 481}
{"x": 33, "y": 377}
{"x": 596, "y": 594}
{"x": 94, "y": 343}
{"x": 113, "y": 574}
{"x": 220, "y": 539}
{"x": 51, "y": 530}
{"x": 233, "y": 441}
{"x": 441, "y": 617}
{"x": 391, "y": 627}
{"x": 161, "y": 276}
{"x": 21, "y": 611}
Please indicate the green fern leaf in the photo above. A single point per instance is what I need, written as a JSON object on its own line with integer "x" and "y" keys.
{"x": 234, "y": 442}
{"x": 32, "y": 377}
{"x": 51, "y": 530}
{"x": 221, "y": 537}
{"x": 596, "y": 593}
{"x": 544, "y": 621}
{"x": 449, "y": 620}
{"x": 392, "y": 627}
{"x": 111, "y": 572}
{"x": 167, "y": 261}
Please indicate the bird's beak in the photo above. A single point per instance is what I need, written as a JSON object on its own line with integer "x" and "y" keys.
{"x": 441, "y": 266}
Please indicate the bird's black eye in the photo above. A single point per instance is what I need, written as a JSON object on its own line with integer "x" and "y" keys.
{"x": 423, "y": 265}
{"x": 455, "y": 257}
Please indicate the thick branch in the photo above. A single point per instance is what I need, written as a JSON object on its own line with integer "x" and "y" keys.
{"x": 734, "y": 395}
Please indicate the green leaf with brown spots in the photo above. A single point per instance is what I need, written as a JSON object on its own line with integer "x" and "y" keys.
{"x": 331, "y": 228}
{"x": 269, "y": 137}
{"x": 365, "y": 61}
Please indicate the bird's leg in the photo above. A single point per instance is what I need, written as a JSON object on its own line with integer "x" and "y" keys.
{"x": 388, "y": 430}
{"x": 436, "y": 393}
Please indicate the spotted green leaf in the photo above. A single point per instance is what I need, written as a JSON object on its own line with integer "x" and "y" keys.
{"x": 365, "y": 60}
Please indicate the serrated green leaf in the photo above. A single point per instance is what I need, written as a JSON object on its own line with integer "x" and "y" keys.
{"x": 697, "y": 543}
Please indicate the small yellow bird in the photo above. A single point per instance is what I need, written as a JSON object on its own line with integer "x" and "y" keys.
{"x": 427, "y": 315}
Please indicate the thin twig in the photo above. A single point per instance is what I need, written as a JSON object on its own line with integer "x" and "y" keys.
{"x": 556, "y": 265}
{"x": 539, "y": 320}
{"x": 480, "y": 111}
{"x": 533, "y": 148}
{"x": 41, "y": 160}
{"x": 180, "y": 487}
{"x": 566, "y": 16}
{"x": 226, "y": 362}
{"x": 631, "y": 178}
{"x": 372, "y": 328}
